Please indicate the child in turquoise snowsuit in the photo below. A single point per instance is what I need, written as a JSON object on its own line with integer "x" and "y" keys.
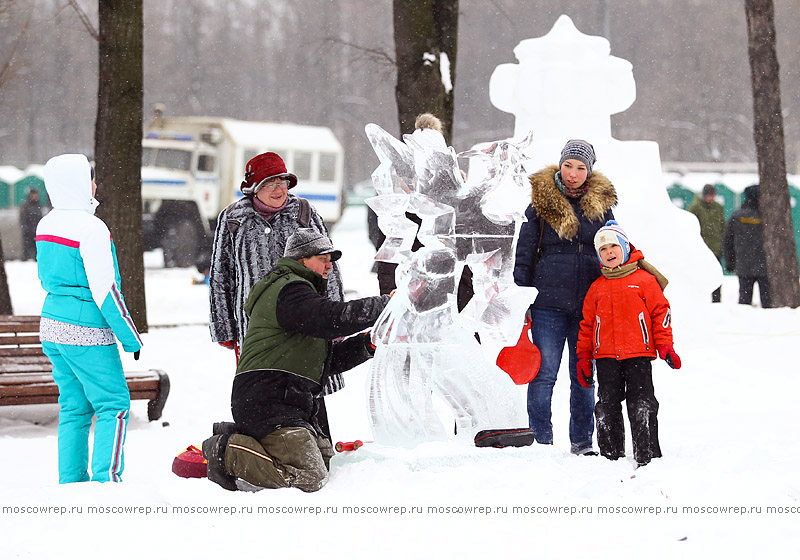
{"x": 83, "y": 316}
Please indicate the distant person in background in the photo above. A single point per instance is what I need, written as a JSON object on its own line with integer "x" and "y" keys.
{"x": 251, "y": 236}
{"x": 743, "y": 249}
{"x": 30, "y": 212}
{"x": 373, "y": 229}
{"x": 711, "y": 216}
{"x": 374, "y": 233}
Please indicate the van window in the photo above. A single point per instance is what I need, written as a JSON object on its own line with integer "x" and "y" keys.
{"x": 205, "y": 162}
{"x": 327, "y": 167}
{"x": 170, "y": 159}
{"x": 302, "y": 165}
{"x": 147, "y": 156}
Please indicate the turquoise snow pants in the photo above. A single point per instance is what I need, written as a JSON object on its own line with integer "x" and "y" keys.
{"x": 91, "y": 383}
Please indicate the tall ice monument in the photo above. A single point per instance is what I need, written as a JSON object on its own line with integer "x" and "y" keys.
{"x": 567, "y": 85}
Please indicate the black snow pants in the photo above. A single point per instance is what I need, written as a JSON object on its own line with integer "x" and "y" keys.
{"x": 746, "y": 284}
{"x": 630, "y": 380}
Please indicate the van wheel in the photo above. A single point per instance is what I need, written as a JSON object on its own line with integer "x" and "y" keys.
{"x": 180, "y": 244}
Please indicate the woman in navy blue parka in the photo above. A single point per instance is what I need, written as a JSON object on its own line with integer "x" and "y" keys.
{"x": 570, "y": 203}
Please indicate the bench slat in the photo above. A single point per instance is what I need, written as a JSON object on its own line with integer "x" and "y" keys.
{"x": 23, "y": 359}
{"x": 21, "y": 351}
{"x": 39, "y": 388}
{"x": 19, "y": 323}
{"x": 26, "y": 373}
{"x": 31, "y": 339}
{"x": 21, "y": 378}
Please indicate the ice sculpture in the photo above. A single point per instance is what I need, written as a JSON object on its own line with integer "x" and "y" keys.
{"x": 424, "y": 347}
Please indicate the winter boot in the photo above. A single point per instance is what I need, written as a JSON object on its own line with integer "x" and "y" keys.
{"x": 245, "y": 486}
{"x": 224, "y": 428}
{"x": 214, "y": 452}
{"x": 612, "y": 456}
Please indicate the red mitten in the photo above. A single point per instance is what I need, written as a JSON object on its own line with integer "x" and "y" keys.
{"x": 667, "y": 353}
{"x": 585, "y": 370}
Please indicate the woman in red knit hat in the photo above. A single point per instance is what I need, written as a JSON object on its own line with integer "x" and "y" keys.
{"x": 250, "y": 237}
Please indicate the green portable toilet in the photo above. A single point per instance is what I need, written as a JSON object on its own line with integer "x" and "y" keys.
{"x": 727, "y": 198}
{"x": 680, "y": 196}
{"x": 794, "y": 200}
{"x": 8, "y": 176}
{"x": 5, "y": 194}
{"x": 28, "y": 182}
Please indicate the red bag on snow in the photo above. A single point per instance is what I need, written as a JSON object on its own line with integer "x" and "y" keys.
{"x": 190, "y": 463}
{"x": 521, "y": 362}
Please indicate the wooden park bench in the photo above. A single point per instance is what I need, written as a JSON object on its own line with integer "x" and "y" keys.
{"x": 26, "y": 374}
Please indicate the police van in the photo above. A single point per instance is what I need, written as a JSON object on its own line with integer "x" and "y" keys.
{"x": 192, "y": 168}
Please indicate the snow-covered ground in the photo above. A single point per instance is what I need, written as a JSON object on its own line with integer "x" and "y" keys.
{"x": 727, "y": 486}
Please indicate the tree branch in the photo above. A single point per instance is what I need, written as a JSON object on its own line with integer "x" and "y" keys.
{"x": 378, "y": 54}
{"x": 8, "y": 69}
{"x": 85, "y": 20}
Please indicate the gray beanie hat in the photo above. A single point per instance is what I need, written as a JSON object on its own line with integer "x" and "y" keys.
{"x": 306, "y": 242}
{"x": 580, "y": 150}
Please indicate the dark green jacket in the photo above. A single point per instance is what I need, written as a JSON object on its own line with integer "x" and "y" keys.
{"x": 289, "y": 349}
{"x": 267, "y": 344}
{"x": 712, "y": 223}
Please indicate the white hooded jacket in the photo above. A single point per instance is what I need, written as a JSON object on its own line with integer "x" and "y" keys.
{"x": 76, "y": 256}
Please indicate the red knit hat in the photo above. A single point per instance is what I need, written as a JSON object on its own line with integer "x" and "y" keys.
{"x": 264, "y": 166}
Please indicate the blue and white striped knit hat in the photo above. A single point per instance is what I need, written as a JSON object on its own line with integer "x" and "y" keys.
{"x": 580, "y": 150}
{"x": 612, "y": 233}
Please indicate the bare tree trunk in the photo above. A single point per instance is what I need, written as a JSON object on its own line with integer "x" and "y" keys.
{"x": 774, "y": 203}
{"x": 8, "y": 69}
{"x": 118, "y": 142}
{"x": 426, "y": 44}
{"x": 5, "y": 296}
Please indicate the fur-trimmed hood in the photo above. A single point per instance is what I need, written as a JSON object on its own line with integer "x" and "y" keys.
{"x": 556, "y": 210}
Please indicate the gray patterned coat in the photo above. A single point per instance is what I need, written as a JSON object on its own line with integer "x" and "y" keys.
{"x": 246, "y": 248}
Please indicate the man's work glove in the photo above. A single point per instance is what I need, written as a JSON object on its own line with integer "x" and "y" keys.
{"x": 667, "y": 353}
{"x": 585, "y": 370}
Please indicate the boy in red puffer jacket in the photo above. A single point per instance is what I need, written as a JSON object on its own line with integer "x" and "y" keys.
{"x": 625, "y": 325}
